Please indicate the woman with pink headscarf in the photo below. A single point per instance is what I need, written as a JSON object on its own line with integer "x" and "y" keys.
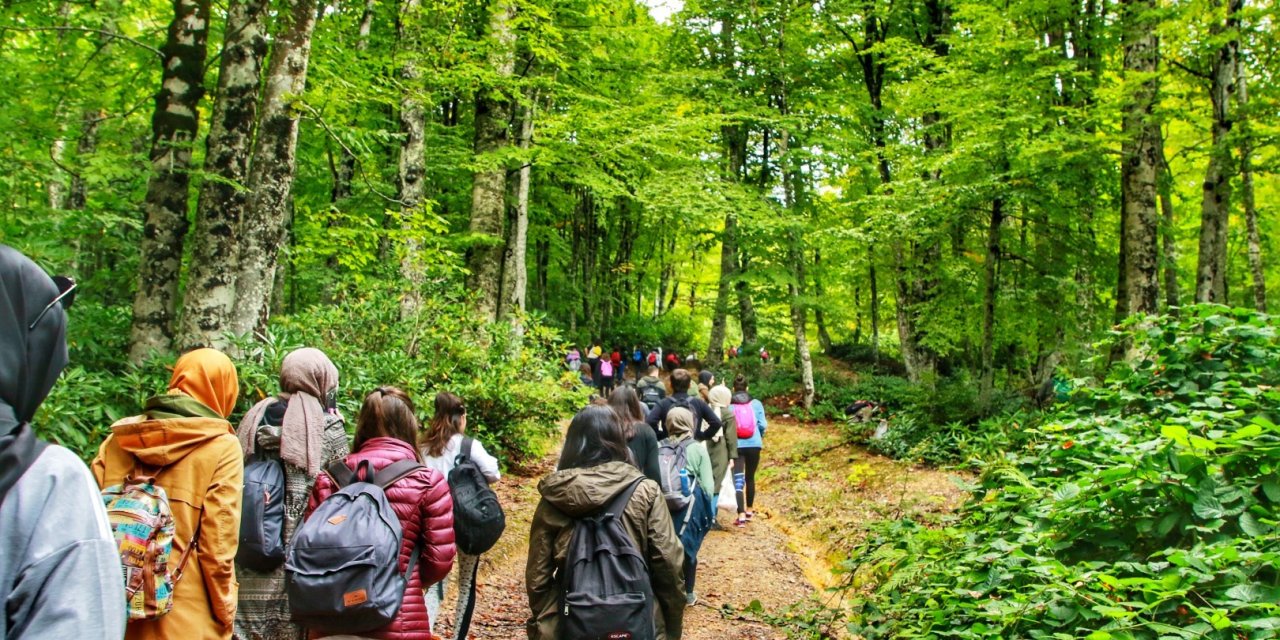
{"x": 302, "y": 428}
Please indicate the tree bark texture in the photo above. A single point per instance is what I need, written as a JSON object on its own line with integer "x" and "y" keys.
{"x": 412, "y": 168}
{"x": 1139, "y": 159}
{"x": 1215, "y": 202}
{"x": 991, "y": 274}
{"x": 1172, "y": 292}
{"x": 746, "y": 308}
{"x": 210, "y": 297}
{"x": 728, "y": 263}
{"x": 174, "y": 126}
{"x": 515, "y": 274}
{"x": 264, "y": 226}
{"x": 1256, "y": 270}
{"x": 492, "y": 135}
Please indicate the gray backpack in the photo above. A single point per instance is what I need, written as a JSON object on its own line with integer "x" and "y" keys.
{"x": 607, "y": 595}
{"x": 342, "y": 569}
{"x": 673, "y": 461}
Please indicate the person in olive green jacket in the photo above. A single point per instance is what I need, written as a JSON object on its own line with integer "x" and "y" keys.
{"x": 723, "y": 447}
{"x": 593, "y": 469}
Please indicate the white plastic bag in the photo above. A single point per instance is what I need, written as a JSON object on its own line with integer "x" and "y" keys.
{"x": 727, "y": 500}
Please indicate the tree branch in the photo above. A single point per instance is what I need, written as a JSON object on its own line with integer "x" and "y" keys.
{"x": 1199, "y": 74}
{"x": 101, "y": 32}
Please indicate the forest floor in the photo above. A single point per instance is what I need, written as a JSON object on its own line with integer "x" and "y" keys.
{"x": 816, "y": 498}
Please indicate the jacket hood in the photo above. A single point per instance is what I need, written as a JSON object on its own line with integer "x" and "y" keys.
{"x": 30, "y": 359}
{"x": 651, "y": 380}
{"x": 580, "y": 492}
{"x": 164, "y": 441}
{"x": 741, "y": 397}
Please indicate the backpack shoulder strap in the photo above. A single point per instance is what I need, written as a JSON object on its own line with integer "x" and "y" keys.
{"x": 395, "y": 471}
{"x": 620, "y": 501}
{"x": 342, "y": 474}
{"x": 465, "y": 450}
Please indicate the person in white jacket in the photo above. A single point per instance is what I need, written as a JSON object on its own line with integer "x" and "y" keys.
{"x": 59, "y": 566}
{"x": 441, "y": 445}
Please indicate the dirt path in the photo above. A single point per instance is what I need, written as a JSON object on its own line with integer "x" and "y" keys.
{"x": 815, "y": 498}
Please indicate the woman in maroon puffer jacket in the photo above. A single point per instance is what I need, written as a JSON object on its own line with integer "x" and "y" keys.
{"x": 386, "y": 430}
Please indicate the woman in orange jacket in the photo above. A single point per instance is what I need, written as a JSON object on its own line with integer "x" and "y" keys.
{"x": 185, "y": 434}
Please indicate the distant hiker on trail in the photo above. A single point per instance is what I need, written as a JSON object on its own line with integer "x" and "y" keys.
{"x": 651, "y": 389}
{"x": 595, "y": 479}
{"x": 654, "y": 359}
{"x": 619, "y": 367}
{"x": 764, "y": 356}
{"x": 705, "y": 421}
{"x": 573, "y": 360}
{"x": 706, "y": 380}
{"x": 641, "y": 439}
{"x": 442, "y": 445}
{"x": 673, "y": 361}
{"x": 690, "y": 495}
{"x": 637, "y": 361}
{"x": 723, "y": 447}
{"x": 606, "y": 378}
{"x": 593, "y": 359}
{"x": 287, "y": 439}
{"x": 182, "y": 445}
{"x": 59, "y": 564}
{"x": 584, "y": 376}
{"x": 386, "y": 434}
{"x": 749, "y": 416}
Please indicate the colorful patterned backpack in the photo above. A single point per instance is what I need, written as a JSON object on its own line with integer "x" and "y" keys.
{"x": 143, "y": 526}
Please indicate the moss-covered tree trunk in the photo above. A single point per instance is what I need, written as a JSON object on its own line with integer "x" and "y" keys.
{"x": 492, "y": 135}
{"x": 175, "y": 124}
{"x": 211, "y": 280}
{"x": 1256, "y": 270}
{"x": 1139, "y": 162}
{"x": 264, "y": 227}
{"x": 413, "y": 161}
{"x": 1215, "y": 201}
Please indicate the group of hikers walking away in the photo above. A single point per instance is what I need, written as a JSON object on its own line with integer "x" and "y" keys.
{"x": 185, "y": 527}
{"x": 604, "y": 371}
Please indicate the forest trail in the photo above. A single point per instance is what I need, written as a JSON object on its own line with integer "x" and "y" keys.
{"x": 815, "y": 496}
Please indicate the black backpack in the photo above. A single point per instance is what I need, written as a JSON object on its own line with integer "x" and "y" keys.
{"x": 651, "y": 395}
{"x": 262, "y": 515}
{"x": 478, "y": 520}
{"x": 607, "y": 595}
{"x": 342, "y": 574}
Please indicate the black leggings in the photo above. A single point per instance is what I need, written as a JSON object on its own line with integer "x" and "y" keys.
{"x": 690, "y": 572}
{"x": 748, "y": 460}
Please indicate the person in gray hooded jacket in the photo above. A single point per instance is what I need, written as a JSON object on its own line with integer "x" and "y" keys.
{"x": 59, "y": 567}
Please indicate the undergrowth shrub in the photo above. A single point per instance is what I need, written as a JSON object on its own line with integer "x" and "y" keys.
{"x": 513, "y": 401}
{"x": 1146, "y": 509}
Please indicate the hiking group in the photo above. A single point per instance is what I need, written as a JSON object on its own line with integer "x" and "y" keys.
{"x": 185, "y": 527}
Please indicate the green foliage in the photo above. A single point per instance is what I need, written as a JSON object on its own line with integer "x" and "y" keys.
{"x": 513, "y": 402}
{"x": 673, "y": 330}
{"x": 1146, "y": 509}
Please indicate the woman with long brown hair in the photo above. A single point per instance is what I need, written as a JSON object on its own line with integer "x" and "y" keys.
{"x": 386, "y": 433}
{"x": 641, "y": 439}
{"x": 443, "y": 443}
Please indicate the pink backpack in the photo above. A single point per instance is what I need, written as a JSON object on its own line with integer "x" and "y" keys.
{"x": 606, "y": 368}
{"x": 745, "y": 416}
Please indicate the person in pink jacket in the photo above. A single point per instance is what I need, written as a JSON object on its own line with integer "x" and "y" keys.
{"x": 386, "y": 430}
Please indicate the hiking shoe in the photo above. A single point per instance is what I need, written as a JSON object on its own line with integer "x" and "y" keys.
{"x": 740, "y": 522}
{"x": 716, "y": 526}
{"x": 691, "y": 599}
{"x": 751, "y": 516}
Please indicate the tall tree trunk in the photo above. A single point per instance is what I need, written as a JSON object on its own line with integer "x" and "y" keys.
{"x": 1172, "y": 292}
{"x": 174, "y": 127}
{"x": 1256, "y": 271}
{"x": 1139, "y": 158}
{"x": 413, "y": 150}
{"x": 515, "y": 275}
{"x": 991, "y": 273}
{"x": 265, "y": 223}
{"x": 344, "y": 171}
{"x": 819, "y": 317}
{"x": 211, "y": 287}
{"x": 796, "y": 254}
{"x": 875, "y": 303}
{"x": 746, "y": 308}
{"x": 1215, "y": 203}
{"x": 492, "y": 134}
{"x": 720, "y": 314}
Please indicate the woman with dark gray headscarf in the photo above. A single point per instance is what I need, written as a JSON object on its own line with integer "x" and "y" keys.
{"x": 300, "y": 426}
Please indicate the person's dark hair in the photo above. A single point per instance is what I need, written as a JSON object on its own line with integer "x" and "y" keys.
{"x": 739, "y": 383}
{"x": 586, "y": 368}
{"x": 626, "y": 404}
{"x": 444, "y": 424}
{"x": 706, "y": 376}
{"x": 594, "y": 438}
{"x": 387, "y": 412}
{"x": 680, "y": 381}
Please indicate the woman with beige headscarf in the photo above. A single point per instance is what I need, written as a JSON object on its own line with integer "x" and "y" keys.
{"x": 302, "y": 428}
{"x": 723, "y": 447}
{"x": 694, "y": 521}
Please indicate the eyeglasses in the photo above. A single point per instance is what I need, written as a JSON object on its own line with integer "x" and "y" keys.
{"x": 66, "y": 295}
